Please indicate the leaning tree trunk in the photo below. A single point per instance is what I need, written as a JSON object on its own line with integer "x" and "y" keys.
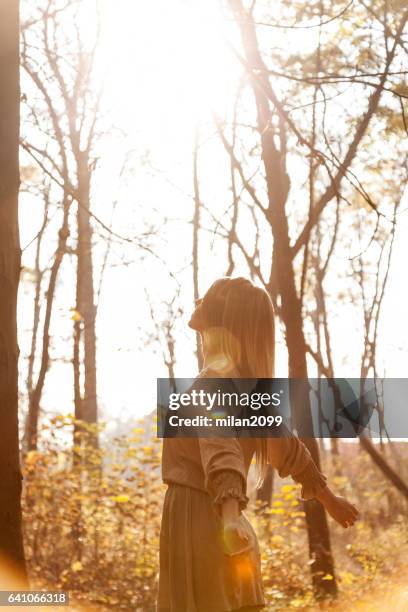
{"x": 35, "y": 395}
{"x": 12, "y": 564}
{"x": 37, "y": 298}
{"x": 291, "y": 308}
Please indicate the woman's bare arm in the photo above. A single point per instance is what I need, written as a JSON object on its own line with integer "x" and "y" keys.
{"x": 338, "y": 507}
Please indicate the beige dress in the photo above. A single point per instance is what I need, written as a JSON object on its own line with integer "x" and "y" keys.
{"x": 196, "y": 573}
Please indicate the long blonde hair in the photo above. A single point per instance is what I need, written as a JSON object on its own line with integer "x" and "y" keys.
{"x": 239, "y": 335}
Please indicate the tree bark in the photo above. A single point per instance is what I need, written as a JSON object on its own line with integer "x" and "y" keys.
{"x": 291, "y": 308}
{"x": 85, "y": 293}
{"x": 11, "y": 542}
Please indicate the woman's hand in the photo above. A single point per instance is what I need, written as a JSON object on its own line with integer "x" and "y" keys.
{"x": 235, "y": 537}
{"x": 338, "y": 507}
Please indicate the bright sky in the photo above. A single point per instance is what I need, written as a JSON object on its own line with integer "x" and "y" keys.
{"x": 165, "y": 67}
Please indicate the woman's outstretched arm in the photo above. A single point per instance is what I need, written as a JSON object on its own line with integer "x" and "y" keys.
{"x": 290, "y": 457}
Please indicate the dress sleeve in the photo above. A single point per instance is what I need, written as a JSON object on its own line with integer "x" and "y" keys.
{"x": 290, "y": 457}
{"x": 224, "y": 469}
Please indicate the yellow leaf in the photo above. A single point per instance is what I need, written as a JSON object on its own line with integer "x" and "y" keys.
{"x": 347, "y": 578}
{"x": 277, "y": 539}
{"x": 121, "y": 499}
{"x": 296, "y": 603}
{"x": 31, "y": 457}
{"x": 328, "y": 577}
{"x": 76, "y": 316}
{"x": 76, "y": 566}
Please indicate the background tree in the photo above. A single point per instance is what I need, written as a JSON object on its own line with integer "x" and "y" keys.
{"x": 12, "y": 563}
{"x": 277, "y": 128}
{"x": 53, "y": 51}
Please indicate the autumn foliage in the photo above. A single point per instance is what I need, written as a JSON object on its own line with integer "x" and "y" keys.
{"x": 92, "y": 521}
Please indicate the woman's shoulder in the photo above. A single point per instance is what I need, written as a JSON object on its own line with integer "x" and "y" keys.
{"x": 215, "y": 370}
{"x": 209, "y": 380}
{"x": 206, "y": 379}
{"x": 207, "y": 372}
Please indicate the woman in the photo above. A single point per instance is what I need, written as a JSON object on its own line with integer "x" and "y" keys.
{"x": 209, "y": 555}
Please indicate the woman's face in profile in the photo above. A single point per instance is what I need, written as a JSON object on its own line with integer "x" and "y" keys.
{"x": 196, "y": 321}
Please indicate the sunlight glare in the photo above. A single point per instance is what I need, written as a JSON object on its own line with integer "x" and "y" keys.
{"x": 164, "y": 59}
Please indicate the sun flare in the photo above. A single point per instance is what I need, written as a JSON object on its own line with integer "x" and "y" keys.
{"x": 164, "y": 59}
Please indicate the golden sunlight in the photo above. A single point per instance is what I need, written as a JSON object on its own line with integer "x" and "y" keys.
{"x": 175, "y": 51}
{"x": 194, "y": 189}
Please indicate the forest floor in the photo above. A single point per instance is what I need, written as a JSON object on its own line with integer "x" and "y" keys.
{"x": 388, "y": 595}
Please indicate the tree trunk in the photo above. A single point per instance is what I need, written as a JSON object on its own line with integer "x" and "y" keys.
{"x": 291, "y": 307}
{"x": 37, "y": 299}
{"x": 383, "y": 465}
{"x": 196, "y": 227}
{"x": 264, "y": 493}
{"x": 12, "y": 565}
{"x": 36, "y": 394}
{"x": 76, "y": 364}
{"x": 85, "y": 294}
